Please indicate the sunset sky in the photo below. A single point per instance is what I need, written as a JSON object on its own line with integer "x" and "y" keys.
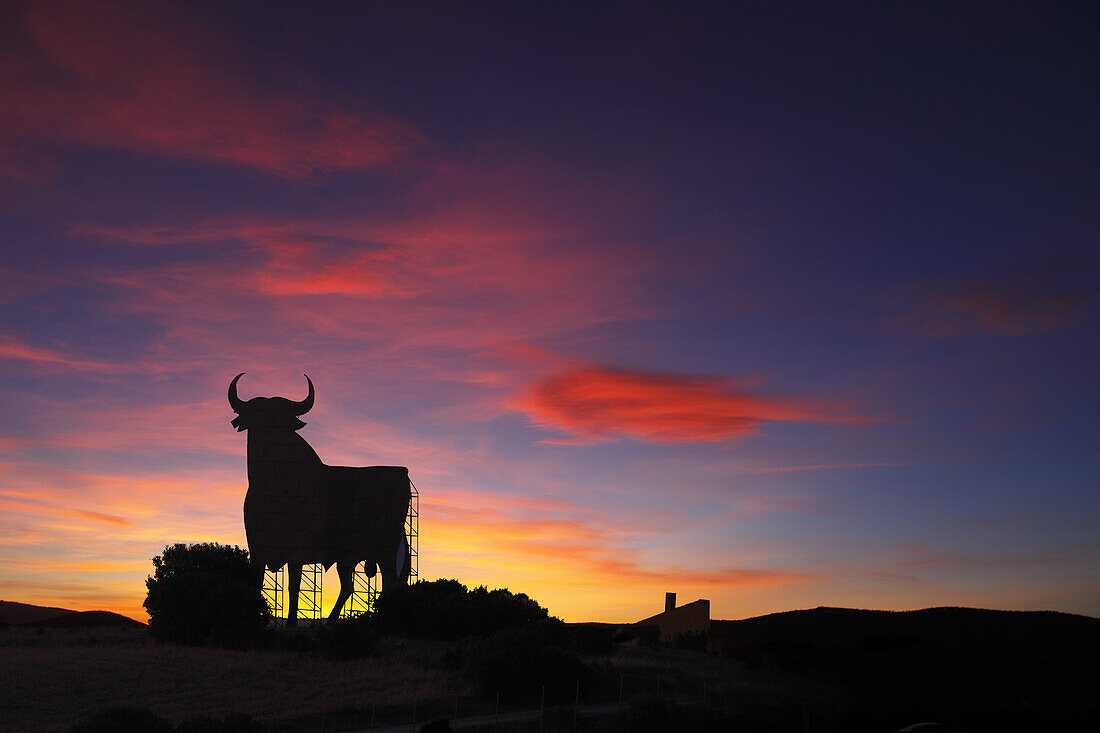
{"x": 780, "y": 306}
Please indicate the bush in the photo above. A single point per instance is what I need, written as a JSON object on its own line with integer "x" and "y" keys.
{"x": 351, "y": 638}
{"x": 694, "y": 640}
{"x": 206, "y": 594}
{"x": 593, "y": 639}
{"x": 445, "y": 609}
{"x": 519, "y": 661}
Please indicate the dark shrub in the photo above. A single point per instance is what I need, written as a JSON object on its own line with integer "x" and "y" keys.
{"x": 206, "y": 594}
{"x": 519, "y": 661}
{"x": 694, "y": 640}
{"x": 350, "y": 638}
{"x": 593, "y": 639}
{"x": 445, "y": 609}
{"x": 132, "y": 720}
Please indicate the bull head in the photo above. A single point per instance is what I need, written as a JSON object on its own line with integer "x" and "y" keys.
{"x": 268, "y": 412}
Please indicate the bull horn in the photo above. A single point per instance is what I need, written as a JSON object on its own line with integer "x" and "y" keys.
{"x": 234, "y": 401}
{"x": 301, "y": 408}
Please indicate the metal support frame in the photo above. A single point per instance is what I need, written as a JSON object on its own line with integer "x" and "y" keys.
{"x": 412, "y": 532}
{"x": 309, "y": 595}
{"x": 274, "y": 583}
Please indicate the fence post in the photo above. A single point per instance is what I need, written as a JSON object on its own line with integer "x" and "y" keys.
{"x": 456, "y": 711}
{"x": 621, "y": 677}
{"x": 542, "y": 706}
{"x": 658, "y": 683}
{"x": 576, "y": 703}
{"x": 496, "y": 713}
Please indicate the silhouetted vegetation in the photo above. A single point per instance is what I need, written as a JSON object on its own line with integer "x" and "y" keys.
{"x": 350, "y": 638}
{"x": 696, "y": 640}
{"x": 519, "y": 661}
{"x": 446, "y": 609}
{"x": 593, "y": 639}
{"x": 206, "y": 594}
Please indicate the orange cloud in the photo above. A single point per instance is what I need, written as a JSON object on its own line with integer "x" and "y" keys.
{"x": 566, "y": 559}
{"x": 147, "y": 77}
{"x": 601, "y": 404}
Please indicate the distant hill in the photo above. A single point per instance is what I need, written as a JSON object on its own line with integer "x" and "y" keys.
{"x": 842, "y": 636}
{"x": 88, "y": 620}
{"x": 12, "y": 612}
{"x": 25, "y": 614}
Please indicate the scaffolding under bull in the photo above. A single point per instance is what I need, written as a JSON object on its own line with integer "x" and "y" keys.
{"x": 366, "y": 587}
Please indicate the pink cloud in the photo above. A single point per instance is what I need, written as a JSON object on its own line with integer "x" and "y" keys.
{"x": 16, "y": 349}
{"x": 600, "y": 403}
{"x": 1032, "y": 297}
{"x": 454, "y": 271}
{"x": 819, "y": 467}
{"x": 148, "y": 77}
{"x": 1000, "y": 309}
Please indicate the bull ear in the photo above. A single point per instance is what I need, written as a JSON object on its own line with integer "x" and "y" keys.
{"x": 234, "y": 401}
{"x": 301, "y": 408}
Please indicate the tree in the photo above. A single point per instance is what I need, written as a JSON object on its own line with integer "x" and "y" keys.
{"x": 206, "y": 594}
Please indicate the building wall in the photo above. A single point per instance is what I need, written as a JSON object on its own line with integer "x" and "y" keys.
{"x": 691, "y": 617}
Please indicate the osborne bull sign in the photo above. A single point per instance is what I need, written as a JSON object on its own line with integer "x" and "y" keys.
{"x": 299, "y": 511}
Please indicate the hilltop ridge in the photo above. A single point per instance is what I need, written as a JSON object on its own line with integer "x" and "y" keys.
{"x": 26, "y": 614}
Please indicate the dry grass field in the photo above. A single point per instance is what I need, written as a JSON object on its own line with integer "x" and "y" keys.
{"x": 54, "y": 679}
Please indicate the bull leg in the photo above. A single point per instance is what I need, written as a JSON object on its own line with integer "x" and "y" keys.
{"x": 406, "y": 565}
{"x": 388, "y": 570}
{"x": 294, "y": 585}
{"x": 347, "y": 583}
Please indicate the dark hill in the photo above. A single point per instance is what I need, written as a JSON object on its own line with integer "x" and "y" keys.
{"x": 87, "y": 620}
{"x": 877, "y": 670}
{"x": 12, "y": 612}
{"x": 1021, "y": 635}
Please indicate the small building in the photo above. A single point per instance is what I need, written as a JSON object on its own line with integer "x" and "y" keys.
{"x": 691, "y": 618}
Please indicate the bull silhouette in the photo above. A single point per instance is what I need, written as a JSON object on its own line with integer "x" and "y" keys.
{"x": 299, "y": 511}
